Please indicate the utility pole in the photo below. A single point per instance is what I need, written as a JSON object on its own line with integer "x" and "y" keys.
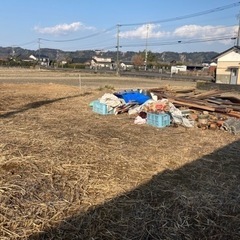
{"x": 146, "y": 53}
{"x": 238, "y": 36}
{"x": 57, "y": 58}
{"x": 13, "y": 53}
{"x": 39, "y": 51}
{"x": 117, "y": 66}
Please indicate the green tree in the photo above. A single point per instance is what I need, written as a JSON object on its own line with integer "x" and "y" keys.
{"x": 151, "y": 58}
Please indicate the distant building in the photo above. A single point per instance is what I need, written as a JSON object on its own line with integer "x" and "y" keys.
{"x": 98, "y": 63}
{"x": 126, "y": 65}
{"x": 43, "y": 59}
{"x": 228, "y": 63}
{"x": 178, "y": 68}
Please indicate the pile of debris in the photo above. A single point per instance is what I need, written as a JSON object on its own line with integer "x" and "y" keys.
{"x": 206, "y": 110}
{"x": 211, "y": 109}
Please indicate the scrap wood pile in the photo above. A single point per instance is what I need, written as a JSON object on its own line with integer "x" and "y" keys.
{"x": 211, "y": 109}
{"x": 212, "y": 101}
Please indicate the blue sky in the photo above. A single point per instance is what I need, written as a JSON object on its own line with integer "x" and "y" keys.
{"x": 155, "y": 25}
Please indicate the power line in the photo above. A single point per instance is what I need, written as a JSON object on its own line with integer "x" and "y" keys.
{"x": 27, "y": 43}
{"x": 218, "y": 9}
{"x": 134, "y": 24}
{"x": 149, "y": 22}
{"x": 100, "y": 43}
{"x": 92, "y": 45}
{"x": 80, "y": 38}
{"x": 109, "y": 40}
{"x": 177, "y": 42}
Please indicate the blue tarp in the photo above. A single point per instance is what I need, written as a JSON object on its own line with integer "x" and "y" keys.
{"x": 133, "y": 96}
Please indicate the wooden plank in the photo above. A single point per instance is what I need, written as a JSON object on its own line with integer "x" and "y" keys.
{"x": 207, "y": 94}
{"x": 193, "y": 105}
{"x": 234, "y": 114}
{"x": 234, "y": 100}
{"x": 234, "y": 106}
{"x": 186, "y": 90}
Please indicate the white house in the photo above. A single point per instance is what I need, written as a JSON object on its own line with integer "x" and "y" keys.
{"x": 44, "y": 60}
{"x": 179, "y": 68}
{"x": 126, "y": 65}
{"x": 98, "y": 63}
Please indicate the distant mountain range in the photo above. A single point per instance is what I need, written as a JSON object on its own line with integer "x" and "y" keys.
{"x": 86, "y": 55}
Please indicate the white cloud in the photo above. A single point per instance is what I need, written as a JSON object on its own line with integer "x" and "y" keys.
{"x": 148, "y": 30}
{"x": 62, "y": 28}
{"x": 205, "y": 32}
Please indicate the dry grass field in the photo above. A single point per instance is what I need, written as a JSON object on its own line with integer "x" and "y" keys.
{"x": 69, "y": 173}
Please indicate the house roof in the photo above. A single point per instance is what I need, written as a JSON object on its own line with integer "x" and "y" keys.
{"x": 80, "y": 60}
{"x": 102, "y": 62}
{"x": 237, "y": 48}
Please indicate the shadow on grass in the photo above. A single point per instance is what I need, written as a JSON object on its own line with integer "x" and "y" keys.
{"x": 197, "y": 201}
{"x": 38, "y": 104}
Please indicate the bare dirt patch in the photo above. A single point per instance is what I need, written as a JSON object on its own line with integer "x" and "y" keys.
{"x": 69, "y": 173}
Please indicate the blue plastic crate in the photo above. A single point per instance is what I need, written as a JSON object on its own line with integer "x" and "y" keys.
{"x": 159, "y": 120}
{"x": 101, "y": 108}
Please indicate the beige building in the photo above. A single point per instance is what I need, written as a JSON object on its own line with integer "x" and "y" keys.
{"x": 228, "y": 64}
